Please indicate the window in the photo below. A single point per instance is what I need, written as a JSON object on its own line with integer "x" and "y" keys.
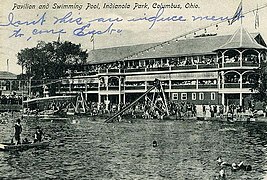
{"x": 194, "y": 96}
{"x": 201, "y": 96}
{"x": 212, "y": 96}
{"x": 174, "y": 96}
{"x": 184, "y": 96}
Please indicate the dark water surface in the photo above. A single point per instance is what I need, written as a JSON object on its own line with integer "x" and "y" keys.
{"x": 96, "y": 150}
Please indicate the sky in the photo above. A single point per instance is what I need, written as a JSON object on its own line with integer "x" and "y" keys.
{"x": 46, "y": 23}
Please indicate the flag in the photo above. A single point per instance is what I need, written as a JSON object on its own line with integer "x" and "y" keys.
{"x": 257, "y": 19}
{"x": 92, "y": 38}
{"x": 238, "y": 14}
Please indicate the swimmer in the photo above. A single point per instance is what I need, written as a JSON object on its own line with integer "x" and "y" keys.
{"x": 222, "y": 174}
{"x": 155, "y": 144}
{"x": 234, "y": 167}
{"x": 221, "y": 162}
{"x": 244, "y": 167}
{"x": 241, "y": 165}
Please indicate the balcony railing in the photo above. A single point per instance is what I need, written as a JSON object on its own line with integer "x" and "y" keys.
{"x": 207, "y": 66}
{"x": 134, "y": 87}
{"x": 231, "y": 85}
{"x": 247, "y": 85}
{"x": 184, "y": 86}
{"x": 114, "y": 88}
{"x": 207, "y": 86}
{"x": 92, "y": 88}
{"x": 159, "y": 69}
{"x": 250, "y": 64}
{"x": 134, "y": 70}
{"x": 232, "y": 64}
{"x": 103, "y": 70}
{"x": 183, "y": 67}
{"x": 114, "y": 70}
{"x": 187, "y": 67}
{"x": 110, "y": 88}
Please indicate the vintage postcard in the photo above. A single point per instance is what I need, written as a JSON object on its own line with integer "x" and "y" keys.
{"x": 170, "y": 89}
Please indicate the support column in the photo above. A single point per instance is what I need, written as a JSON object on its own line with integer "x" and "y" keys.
{"x": 219, "y": 81}
{"x": 223, "y": 81}
{"x": 86, "y": 93}
{"x": 99, "y": 101}
{"x": 124, "y": 93}
{"x": 223, "y": 99}
{"x": 241, "y": 81}
{"x": 124, "y": 98}
{"x": 217, "y": 60}
{"x": 241, "y": 59}
{"x": 70, "y": 85}
{"x": 99, "y": 96}
{"x": 240, "y": 99}
{"x": 120, "y": 93}
{"x": 170, "y": 88}
{"x": 259, "y": 58}
{"x": 10, "y": 86}
{"x": 19, "y": 85}
{"x": 223, "y": 59}
{"x": 107, "y": 100}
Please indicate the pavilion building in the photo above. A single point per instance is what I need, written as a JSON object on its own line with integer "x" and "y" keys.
{"x": 203, "y": 70}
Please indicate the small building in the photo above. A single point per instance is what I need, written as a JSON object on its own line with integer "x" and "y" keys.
{"x": 8, "y": 82}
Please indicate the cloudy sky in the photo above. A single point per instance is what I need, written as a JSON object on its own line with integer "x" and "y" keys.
{"x": 15, "y": 15}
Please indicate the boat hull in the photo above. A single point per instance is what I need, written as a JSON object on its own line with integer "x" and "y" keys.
{"x": 13, "y": 147}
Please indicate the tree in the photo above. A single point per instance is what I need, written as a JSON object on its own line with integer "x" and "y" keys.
{"x": 51, "y": 60}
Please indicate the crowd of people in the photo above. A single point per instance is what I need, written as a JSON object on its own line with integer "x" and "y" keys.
{"x": 11, "y": 99}
{"x": 158, "y": 109}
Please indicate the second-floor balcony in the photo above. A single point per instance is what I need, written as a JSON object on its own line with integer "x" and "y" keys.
{"x": 180, "y": 68}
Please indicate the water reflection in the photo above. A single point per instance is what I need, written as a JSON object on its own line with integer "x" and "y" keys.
{"x": 87, "y": 149}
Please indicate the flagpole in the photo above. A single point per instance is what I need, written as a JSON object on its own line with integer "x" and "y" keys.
{"x": 257, "y": 23}
{"x": 242, "y": 12}
{"x": 7, "y": 65}
{"x": 94, "y": 43}
{"x": 92, "y": 39}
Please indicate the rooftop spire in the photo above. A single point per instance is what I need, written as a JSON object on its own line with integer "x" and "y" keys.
{"x": 241, "y": 39}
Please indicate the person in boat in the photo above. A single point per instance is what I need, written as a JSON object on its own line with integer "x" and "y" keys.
{"x": 18, "y": 130}
{"x": 38, "y": 136}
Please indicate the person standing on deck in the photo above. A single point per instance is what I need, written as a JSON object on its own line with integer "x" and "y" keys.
{"x": 18, "y": 130}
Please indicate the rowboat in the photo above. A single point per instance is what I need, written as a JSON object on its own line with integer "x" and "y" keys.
{"x": 14, "y": 147}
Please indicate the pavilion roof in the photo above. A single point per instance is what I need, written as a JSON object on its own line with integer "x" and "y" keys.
{"x": 185, "y": 47}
